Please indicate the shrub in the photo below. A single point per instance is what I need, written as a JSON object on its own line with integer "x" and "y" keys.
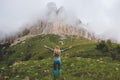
{"x": 104, "y": 46}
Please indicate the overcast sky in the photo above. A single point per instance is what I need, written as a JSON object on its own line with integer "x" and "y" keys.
{"x": 100, "y": 15}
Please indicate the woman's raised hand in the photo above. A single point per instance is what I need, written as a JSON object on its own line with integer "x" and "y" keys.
{"x": 45, "y": 46}
{"x": 70, "y": 47}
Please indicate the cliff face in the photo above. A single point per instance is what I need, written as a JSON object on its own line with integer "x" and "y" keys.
{"x": 57, "y": 21}
{"x": 60, "y": 28}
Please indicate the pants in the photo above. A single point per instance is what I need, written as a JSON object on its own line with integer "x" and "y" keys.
{"x": 57, "y": 65}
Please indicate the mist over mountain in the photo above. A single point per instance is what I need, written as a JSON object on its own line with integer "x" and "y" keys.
{"x": 99, "y": 15}
{"x": 55, "y": 21}
{"x": 111, "y": 34}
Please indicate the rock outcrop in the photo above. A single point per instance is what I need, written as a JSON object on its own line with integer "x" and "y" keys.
{"x": 55, "y": 21}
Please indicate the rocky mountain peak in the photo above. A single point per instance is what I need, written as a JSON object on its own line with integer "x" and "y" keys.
{"x": 57, "y": 21}
{"x": 60, "y": 23}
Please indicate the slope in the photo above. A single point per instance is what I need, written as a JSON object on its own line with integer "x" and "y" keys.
{"x": 30, "y": 60}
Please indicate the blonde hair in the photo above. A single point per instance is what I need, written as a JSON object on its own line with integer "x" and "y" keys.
{"x": 56, "y": 50}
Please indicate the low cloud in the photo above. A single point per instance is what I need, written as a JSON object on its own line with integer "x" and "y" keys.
{"x": 100, "y": 16}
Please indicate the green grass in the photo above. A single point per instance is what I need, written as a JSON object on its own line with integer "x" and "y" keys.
{"x": 82, "y": 62}
{"x": 76, "y": 68}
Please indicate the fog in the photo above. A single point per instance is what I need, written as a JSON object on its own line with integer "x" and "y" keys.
{"x": 101, "y": 16}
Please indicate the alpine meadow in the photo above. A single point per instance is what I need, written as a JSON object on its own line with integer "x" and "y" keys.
{"x": 59, "y": 40}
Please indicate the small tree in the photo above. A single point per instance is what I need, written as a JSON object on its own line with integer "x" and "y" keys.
{"x": 109, "y": 43}
{"x": 112, "y": 51}
{"x": 116, "y": 53}
{"x": 104, "y": 46}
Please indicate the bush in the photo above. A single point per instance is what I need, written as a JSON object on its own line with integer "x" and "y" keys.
{"x": 115, "y": 53}
{"x": 112, "y": 50}
{"x": 104, "y": 46}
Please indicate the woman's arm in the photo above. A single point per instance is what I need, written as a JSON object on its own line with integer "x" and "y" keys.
{"x": 51, "y": 49}
{"x": 66, "y": 49}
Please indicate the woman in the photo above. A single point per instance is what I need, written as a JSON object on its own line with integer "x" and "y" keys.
{"x": 57, "y": 60}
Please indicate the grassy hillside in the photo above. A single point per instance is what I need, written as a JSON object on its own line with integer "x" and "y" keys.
{"x": 29, "y": 59}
